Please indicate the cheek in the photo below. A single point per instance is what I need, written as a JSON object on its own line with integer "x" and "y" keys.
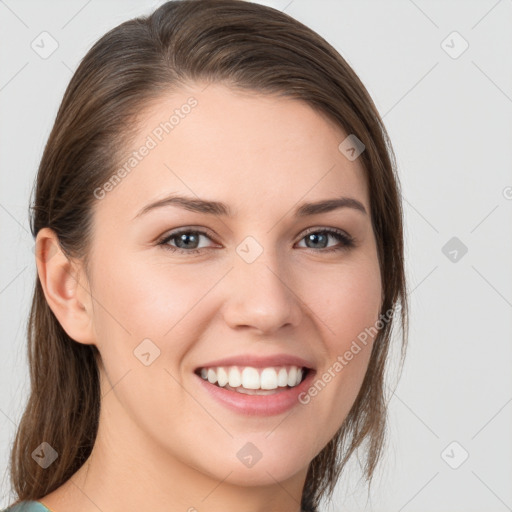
{"x": 147, "y": 315}
{"x": 146, "y": 299}
{"x": 348, "y": 302}
{"x": 347, "y": 307}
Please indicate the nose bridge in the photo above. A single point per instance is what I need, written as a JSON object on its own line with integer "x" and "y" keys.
{"x": 262, "y": 295}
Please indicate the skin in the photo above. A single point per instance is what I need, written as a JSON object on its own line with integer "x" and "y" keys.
{"x": 163, "y": 444}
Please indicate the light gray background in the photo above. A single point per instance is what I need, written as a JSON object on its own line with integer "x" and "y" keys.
{"x": 450, "y": 123}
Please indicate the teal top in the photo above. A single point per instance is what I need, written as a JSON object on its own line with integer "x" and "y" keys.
{"x": 27, "y": 506}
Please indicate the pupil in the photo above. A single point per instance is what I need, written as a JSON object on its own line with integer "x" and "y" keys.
{"x": 314, "y": 237}
{"x": 184, "y": 237}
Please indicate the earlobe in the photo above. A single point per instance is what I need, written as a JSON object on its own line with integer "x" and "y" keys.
{"x": 65, "y": 287}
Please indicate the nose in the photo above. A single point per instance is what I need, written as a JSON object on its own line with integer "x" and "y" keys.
{"x": 261, "y": 295}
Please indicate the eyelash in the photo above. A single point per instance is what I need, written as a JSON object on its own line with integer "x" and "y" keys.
{"x": 346, "y": 240}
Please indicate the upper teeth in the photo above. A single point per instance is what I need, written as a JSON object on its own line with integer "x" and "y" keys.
{"x": 253, "y": 378}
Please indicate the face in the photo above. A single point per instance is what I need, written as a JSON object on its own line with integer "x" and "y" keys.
{"x": 261, "y": 282}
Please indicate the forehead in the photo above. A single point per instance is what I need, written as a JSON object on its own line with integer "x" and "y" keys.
{"x": 242, "y": 148}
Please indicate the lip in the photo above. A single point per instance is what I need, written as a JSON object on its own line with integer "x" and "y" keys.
{"x": 258, "y": 405}
{"x": 258, "y": 361}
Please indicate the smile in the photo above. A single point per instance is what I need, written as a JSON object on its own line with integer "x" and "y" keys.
{"x": 249, "y": 378}
{"x": 256, "y": 391}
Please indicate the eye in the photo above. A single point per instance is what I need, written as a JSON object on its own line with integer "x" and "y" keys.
{"x": 316, "y": 236}
{"x": 187, "y": 240}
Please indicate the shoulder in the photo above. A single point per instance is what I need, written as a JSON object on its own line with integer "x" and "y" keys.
{"x": 27, "y": 506}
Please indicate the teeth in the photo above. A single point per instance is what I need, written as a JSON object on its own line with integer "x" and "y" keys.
{"x": 292, "y": 376}
{"x": 222, "y": 377}
{"x": 212, "y": 376}
{"x": 250, "y": 378}
{"x": 253, "y": 378}
{"x": 268, "y": 379}
{"x": 235, "y": 379}
{"x": 282, "y": 377}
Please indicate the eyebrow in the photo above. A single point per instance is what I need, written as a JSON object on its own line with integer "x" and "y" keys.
{"x": 222, "y": 209}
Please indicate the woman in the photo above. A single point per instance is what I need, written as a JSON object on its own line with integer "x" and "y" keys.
{"x": 242, "y": 372}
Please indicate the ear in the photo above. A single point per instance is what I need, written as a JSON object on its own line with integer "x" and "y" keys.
{"x": 65, "y": 287}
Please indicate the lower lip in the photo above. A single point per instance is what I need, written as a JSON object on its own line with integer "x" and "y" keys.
{"x": 258, "y": 405}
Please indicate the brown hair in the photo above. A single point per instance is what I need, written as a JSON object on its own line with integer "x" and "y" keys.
{"x": 244, "y": 45}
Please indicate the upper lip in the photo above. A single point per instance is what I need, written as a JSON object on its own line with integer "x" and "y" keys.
{"x": 259, "y": 361}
